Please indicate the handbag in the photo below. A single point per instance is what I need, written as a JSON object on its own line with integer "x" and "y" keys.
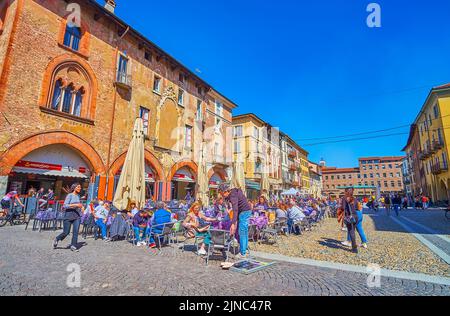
{"x": 349, "y": 219}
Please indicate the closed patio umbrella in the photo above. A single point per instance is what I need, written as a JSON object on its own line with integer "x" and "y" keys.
{"x": 203, "y": 181}
{"x": 131, "y": 186}
{"x": 238, "y": 180}
{"x": 265, "y": 185}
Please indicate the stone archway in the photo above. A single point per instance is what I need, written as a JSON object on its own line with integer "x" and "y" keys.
{"x": 25, "y": 146}
{"x": 149, "y": 157}
{"x": 220, "y": 171}
{"x": 189, "y": 164}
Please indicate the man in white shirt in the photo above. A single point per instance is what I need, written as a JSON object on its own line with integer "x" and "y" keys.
{"x": 101, "y": 216}
{"x": 295, "y": 215}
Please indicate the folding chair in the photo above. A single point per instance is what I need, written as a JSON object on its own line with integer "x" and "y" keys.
{"x": 220, "y": 240}
{"x": 166, "y": 234}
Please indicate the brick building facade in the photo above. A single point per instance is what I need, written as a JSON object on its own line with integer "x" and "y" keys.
{"x": 374, "y": 174}
{"x": 73, "y": 88}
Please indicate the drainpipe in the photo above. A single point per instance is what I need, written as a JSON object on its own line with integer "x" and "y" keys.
{"x": 108, "y": 160}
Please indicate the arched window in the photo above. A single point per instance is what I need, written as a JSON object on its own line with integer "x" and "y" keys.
{"x": 78, "y": 102}
{"x": 70, "y": 89}
{"x": 3, "y": 8}
{"x": 57, "y": 92}
{"x": 68, "y": 97}
{"x": 72, "y": 37}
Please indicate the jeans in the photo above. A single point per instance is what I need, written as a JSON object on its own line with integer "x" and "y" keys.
{"x": 100, "y": 223}
{"x": 388, "y": 209}
{"x": 244, "y": 219}
{"x": 396, "y": 209}
{"x": 157, "y": 230}
{"x": 351, "y": 233}
{"x": 293, "y": 229}
{"x": 206, "y": 237}
{"x": 359, "y": 228}
{"x": 138, "y": 231}
{"x": 66, "y": 231}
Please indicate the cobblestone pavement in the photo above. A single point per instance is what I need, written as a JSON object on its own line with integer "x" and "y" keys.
{"x": 390, "y": 245}
{"x": 28, "y": 266}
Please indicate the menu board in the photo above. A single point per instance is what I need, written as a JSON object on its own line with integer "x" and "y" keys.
{"x": 250, "y": 266}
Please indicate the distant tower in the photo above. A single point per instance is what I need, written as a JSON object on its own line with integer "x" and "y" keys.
{"x": 322, "y": 163}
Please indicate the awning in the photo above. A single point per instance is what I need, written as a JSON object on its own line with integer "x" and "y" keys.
{"x": 51, "y": 173}
{"x": 183, "y": 175}
{"x": 215, "y": 181}
{"x": 252, "y": 185}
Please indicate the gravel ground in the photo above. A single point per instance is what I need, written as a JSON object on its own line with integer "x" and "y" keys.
{"x": 389, "y": 246}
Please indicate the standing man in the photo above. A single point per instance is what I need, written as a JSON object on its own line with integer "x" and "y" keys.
{"x": 242, "y": 211}
{"x": 396, "y": 202}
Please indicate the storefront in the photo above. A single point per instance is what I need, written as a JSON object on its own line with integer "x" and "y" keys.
{"x": 214, "y": 183}
{"x": 183, "y": 182}
{"x": 54, "y": 167}
{"x": 150, "y": 181}
{"x": 253, "y": 189}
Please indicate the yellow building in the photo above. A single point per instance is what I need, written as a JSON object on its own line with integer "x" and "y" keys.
{"x": 433, "y": 123}
{"x": 256, "y": 144}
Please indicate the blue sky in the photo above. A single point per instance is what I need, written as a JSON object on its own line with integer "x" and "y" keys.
{"x": 313, "y": 68}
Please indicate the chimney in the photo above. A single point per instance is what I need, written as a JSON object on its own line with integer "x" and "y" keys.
{"x": 110, "y": 5}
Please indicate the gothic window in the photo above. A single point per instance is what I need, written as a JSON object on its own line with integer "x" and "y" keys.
{"x": 3, "y": 8}
{"x": 70, "y": 91}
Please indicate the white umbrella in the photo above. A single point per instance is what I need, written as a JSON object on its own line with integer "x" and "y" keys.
{"x": 238, "y": 176}
{"x": 131, "y": 186}
{"x": 265, "y": 185}
{"x": 203, "y": 181}
{"x": 290, "y": 192}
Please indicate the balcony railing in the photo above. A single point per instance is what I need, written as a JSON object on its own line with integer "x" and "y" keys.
{"x": 292, "y": 154}
{"x": 293, "y": 168}
{"x": 124, "y": 80}
{"x": 439, "y": 168}
{"x": 425, "y": 154}
{"x": 437, "y": 145}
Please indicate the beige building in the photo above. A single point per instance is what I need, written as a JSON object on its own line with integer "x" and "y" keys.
{"x": 316, "y": 183}
{"x": 256, "y": 144}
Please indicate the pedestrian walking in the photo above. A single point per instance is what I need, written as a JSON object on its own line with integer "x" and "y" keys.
{"x": 73, "y": 210}
{"x": 242, "y": 212}
{"x": 349, "y": 207}
{"x": 387, "y": 204}
{"x": 396, "y": 202}
{"x": 359, "y": 229}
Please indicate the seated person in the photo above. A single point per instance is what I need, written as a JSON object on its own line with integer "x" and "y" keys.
{"x": 42, "y": 198}
{"x": 262, "y": 205}
{"x": 160, "y": 217}
{"x": 133, "y": 209}
{"x": 294, "y": 215}
{"x": 101, "y": 217}
{"x": 119, "y": 226}
{"x": 197, "y": 225}
{"x": 281, "y": 212}
{"x": 140, "y": 226}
